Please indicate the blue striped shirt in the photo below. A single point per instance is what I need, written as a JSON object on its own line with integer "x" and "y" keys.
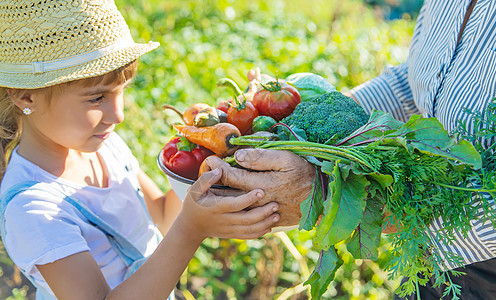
{"x": 440, "y": 79}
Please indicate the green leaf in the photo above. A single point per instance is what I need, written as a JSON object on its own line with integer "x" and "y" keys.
{"x": 345, "y": 170}
{"x": 383, "y": 179}
{"x": 466, "y": 153}
{"x": 312, "y": 207}
{"x": 428, "y": 135}
{"x": 331, "y": 205}
{"x": 185, "y": 144}
{"x": 366, "y": 238}
{"x": 310, "y": 85}
{"x": 286, "y": 135}
{"x": 344, "y": 211}
{"x": 378, "y": 185}
{"x": 379, "y": 123}
{"x": 323, "y": 273}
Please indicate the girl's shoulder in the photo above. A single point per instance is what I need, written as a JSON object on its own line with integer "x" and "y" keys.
{"x": 19, "y": 170}
{"x": 50, "y": 190}
{"x": 114, "y": 151}
{"x": 30, "y": 186}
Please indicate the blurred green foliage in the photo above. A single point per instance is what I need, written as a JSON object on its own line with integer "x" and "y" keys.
{"x": 344, "y": 41}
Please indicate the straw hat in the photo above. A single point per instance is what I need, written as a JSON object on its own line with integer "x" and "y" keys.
{"x": 43, "y": 43}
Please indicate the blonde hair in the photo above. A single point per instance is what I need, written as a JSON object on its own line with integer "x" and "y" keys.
{"x": 10, "y": 114}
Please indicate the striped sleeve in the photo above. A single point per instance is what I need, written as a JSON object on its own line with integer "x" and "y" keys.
{"x": 389, "y": 92}
{"x": 445, "y": 77}
{"x": 477, "y": 245}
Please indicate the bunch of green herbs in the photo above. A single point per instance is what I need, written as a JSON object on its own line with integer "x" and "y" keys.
{"x": 414, "y": 171}
{"x": 483, "y": 138}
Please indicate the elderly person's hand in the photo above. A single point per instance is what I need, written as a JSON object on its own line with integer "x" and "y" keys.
{"x": 284, "y": 177}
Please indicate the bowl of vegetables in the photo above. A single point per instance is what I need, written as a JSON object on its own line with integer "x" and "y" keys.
{"x": 179, "y": 184}
{"x": 208, "y": 130}
{"x": 180, "y": 161}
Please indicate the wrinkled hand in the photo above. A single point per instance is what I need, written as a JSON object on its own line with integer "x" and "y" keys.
{"x": 284, "y": 177}
{"x": 211, "y": 212}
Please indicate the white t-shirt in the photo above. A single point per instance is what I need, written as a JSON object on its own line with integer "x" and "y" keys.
{"x": 41, "y": 228}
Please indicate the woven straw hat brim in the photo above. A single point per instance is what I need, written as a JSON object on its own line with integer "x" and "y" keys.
{"x": 94, "y": 68}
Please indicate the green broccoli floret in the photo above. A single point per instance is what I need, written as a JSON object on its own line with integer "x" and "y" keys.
{"x": 326, "y": 115}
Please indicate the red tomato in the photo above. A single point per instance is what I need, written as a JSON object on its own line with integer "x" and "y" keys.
{"x": 242, "y": 116}
{"x": 224, "y": 106}
{"x": 276, "y": 99}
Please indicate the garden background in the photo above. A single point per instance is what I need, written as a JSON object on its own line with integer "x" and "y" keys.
{"x": 345, "y": 41}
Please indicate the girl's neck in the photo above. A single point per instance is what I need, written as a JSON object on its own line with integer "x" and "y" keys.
{"x": 85, "y": 168}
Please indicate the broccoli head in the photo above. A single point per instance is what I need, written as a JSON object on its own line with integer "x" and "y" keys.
{"x": 326, "y": 115}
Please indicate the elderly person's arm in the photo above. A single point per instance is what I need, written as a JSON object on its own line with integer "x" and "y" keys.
{"x": 389, "y": 92}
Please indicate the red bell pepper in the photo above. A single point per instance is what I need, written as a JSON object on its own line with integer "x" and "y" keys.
{"x": 183, "y": 157}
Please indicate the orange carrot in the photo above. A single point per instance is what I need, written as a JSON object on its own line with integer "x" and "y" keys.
{"x": 204, "y": 167}
{"x": 215, "y": 138}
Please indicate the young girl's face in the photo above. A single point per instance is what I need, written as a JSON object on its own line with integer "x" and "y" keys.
{"x": 78, "y": 117}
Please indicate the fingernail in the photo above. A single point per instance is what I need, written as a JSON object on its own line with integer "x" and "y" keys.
{"x": 259, "y": 194}
{"x": 240, "y": 155}
{"x": 275, "y": 208}
{"x": 216, "y": 171}
{"x": 276, "y": 218}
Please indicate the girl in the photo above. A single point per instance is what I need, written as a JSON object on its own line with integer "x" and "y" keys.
{"x": 77, "y": 214}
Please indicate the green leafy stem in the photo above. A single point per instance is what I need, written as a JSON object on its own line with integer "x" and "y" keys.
{"x": 322, "y": 151}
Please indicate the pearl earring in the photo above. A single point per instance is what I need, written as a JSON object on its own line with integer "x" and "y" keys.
{"x": 27, "y": 111}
